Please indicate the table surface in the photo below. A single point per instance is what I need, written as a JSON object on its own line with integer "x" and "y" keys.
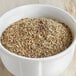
{"x": 6, "y": 5}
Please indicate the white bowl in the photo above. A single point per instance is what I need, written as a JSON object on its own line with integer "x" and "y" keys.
{"x": 49, "y": 66}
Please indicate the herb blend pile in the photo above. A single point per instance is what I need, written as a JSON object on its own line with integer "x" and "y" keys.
{"x": 37, "y": 37}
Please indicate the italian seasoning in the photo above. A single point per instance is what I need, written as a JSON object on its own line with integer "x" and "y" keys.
{"x": 37, "y": 37}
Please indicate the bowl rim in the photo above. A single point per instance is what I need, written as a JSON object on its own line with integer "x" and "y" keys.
{"x": 45, "y": 58}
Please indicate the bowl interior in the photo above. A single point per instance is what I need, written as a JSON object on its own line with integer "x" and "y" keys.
{"x": 34, "y": 11}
